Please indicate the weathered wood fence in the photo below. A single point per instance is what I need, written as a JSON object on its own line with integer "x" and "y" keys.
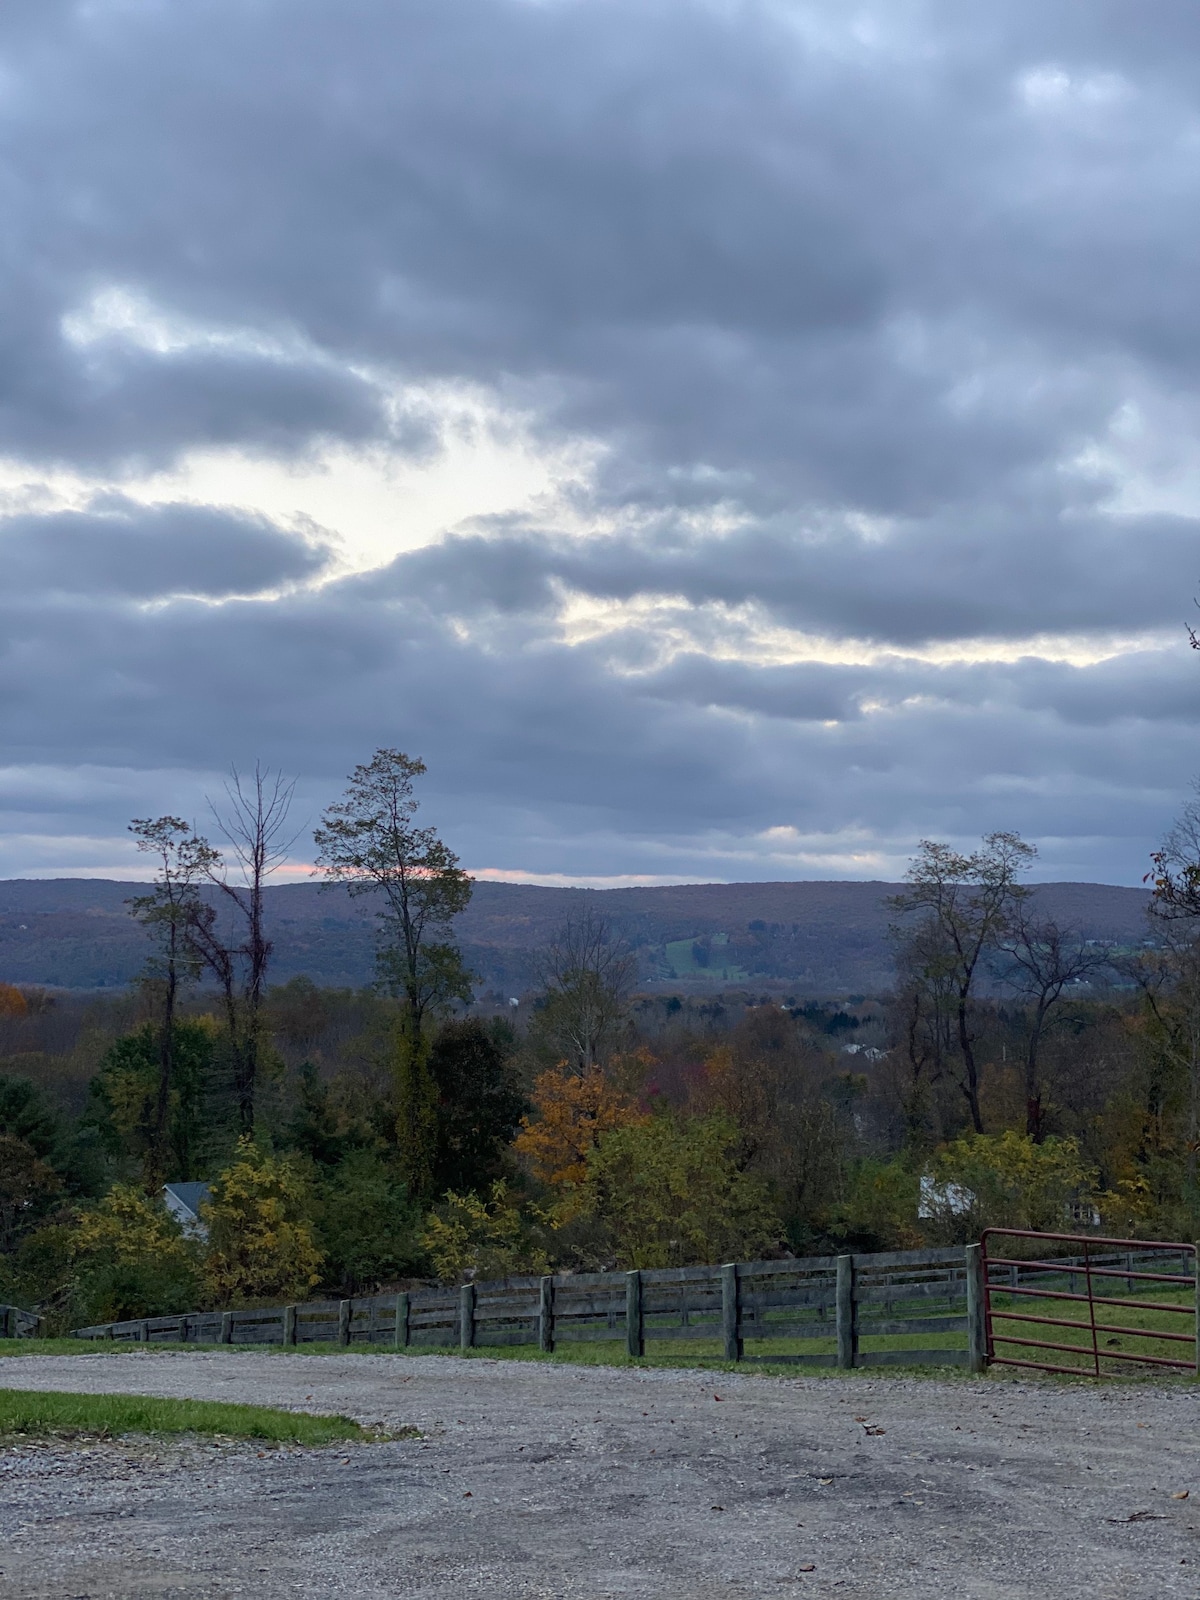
{"x": 18, "y": 1324}
{"x": 847, "y": 1311}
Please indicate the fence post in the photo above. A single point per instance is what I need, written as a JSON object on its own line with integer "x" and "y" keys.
{"x": 226, "y": 1327}
{"x": 289, "y": 1325}
{"x": 343, "y": 1321}
{"x": 143, "y": 1331}
{"x": 401, "y": 1322}
{"x": 546, "y": 1315}
{"x": 1196, "y": 1269}
{"x": 635, "y": 1325}
{"x": 466, "y": 1316}
{"x": 976, "y": 1310}
{"x": 731, "y": 1312}
{"x": 847, "y": 1334}
{"x": 7, "y": 1319}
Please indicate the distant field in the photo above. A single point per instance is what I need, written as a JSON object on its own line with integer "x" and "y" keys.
{"x": 685, "y": 958}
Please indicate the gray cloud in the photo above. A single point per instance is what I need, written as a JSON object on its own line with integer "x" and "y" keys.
{"x": 119, "y": 549}
{"x": 882, "y": 304}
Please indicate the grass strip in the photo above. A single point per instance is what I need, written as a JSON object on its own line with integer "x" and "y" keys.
{"x": 50, "y": 1413}
{"x": 57, "y": 1347}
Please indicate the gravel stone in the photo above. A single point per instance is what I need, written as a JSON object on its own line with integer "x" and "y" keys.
{"x": 554, "y": 1482}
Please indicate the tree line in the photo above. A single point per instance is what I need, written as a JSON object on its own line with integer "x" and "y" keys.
{"x": 1016, "y": 1073}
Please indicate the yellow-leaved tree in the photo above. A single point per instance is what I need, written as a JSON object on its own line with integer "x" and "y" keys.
{"x": 467, "y": 1235}
{"x": 129, "y": 1258}
{"x": 261, "y": 1243}
{"x": 1007, "y": 1180}
{"x": 127, "y": 1228}
{"x": 670, "y": 1193}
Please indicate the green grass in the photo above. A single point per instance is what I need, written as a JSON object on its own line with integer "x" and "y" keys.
{"x": 51, "y": 1414}
{"x": 56, "y": 1347}
{"x": 1111, "y": 1346}
{"x": 683, "y": 964}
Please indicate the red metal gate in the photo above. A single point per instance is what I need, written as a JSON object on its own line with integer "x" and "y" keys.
{"x": 1078, "y": 1281}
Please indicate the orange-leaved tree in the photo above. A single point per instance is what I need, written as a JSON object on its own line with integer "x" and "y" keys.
{"x": 573, "y": 1112}
{"x": 12, "y": 1001}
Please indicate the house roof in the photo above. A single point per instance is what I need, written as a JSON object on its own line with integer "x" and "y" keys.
{"x": 189, "y": 1195}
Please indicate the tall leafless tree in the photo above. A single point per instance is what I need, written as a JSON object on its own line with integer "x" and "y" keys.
{"x": 169, "y": 912}
{"x": 253, "y": 820}
{"x": 586, "y": 973}
{"x": 971, "y": 901}
{"x": 1041, "y": 961}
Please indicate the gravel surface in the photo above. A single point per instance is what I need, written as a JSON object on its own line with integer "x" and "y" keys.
{"x": 570, "y": 1483}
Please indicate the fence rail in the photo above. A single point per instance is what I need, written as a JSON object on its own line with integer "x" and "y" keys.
{"x": 1026, "y": 1275}
{"x": 912, "y": 1306}
{"x": 18, "y": 1324}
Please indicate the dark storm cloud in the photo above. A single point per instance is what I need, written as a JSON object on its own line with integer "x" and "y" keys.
{"x": 859, "y": 308}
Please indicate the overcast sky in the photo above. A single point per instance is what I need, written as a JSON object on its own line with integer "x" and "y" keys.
{"x": 724, "y": 440}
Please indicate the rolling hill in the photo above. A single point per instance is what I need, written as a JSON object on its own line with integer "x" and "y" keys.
{"x": 814, "y": 939}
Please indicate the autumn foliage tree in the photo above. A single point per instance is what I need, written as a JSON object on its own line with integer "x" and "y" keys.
{"x": 262, "y": 1244}
{"x": 572, "y": 1113}
{"x": 671, "y": 1193}
{"x": 12, "y": 1001}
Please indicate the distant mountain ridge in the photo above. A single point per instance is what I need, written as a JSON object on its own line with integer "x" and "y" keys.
{"x": 814, "y": 938}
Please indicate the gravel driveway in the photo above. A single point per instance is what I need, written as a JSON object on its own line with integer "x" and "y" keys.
{"x": 557, "y": 1481}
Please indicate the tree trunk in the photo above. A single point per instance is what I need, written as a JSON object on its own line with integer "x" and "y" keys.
{"x": 156, "y": 1174}
{"x": 416, "y": 1106}
{"x": 1034, "y": 1121}
{"x": 971, "y": 1085}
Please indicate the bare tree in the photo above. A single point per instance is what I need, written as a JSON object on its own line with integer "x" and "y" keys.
{"x": 971, "y": 901}
{"x": 586, "y": 973}
{"x": 924, "y": 1013}
{"x": 169, "y": 912}
{"x": 1176, "y": 864}
{"x": 254, "y": 823}
{"x": 1041, "y": 961}
{"x": 1169, "y": 978}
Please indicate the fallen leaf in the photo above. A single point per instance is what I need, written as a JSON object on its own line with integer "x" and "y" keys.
{"x": 716, "y": 1508}
{"x": 1182, "y": 1494}
{"x": 824, "y": 1480}
{"x": 467, "y": 1496}
{"x": 807, "y": 1567}
{"x": 716, "y": 1397}
{"x": 862, "y": 1419}
{"x": 874, "y": 1431}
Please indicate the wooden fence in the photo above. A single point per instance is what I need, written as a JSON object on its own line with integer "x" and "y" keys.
{"x": 18, "y": 1324}
{"x": 911, "y": 1307}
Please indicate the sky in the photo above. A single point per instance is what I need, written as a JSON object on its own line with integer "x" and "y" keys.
{"x": 724, "y": 439}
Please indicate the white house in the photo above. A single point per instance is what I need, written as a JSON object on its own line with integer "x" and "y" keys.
{"x": 183, "y": 1201}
